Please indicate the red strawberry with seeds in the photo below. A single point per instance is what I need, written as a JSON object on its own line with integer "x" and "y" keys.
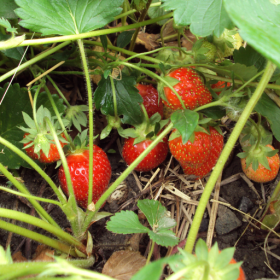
{"x": 150, "y": 99}
{"x": 217, "y": 143}
{"x": 53, "y": 155}
{"x": 130, "y": 152}
{"x": 190, "y": 88}
{"x": 193, "y": 153}
{"x": 78, "y": 163}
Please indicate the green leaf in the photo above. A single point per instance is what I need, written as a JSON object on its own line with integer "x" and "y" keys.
{"x": 104, "y": 42}
{"x": 156, "y": 214}
{"x": 205, "y": 16}
{"x": 259, "y": 23}
{"x": 154, "y": 269}
{"x": 164, "y": 237}
{"x": 126, "y": 222}
{"x": 7, "y": 9}
{"x": 15, "y": 53}
{"x": 66, "y": 17}
{"x": 215, "y": 113}
{"x": 15, "y": 101}
{"x": 249, "y": 57}
{"x": 267, "y": 108}
{"x": 5, "y": 23}
{"x": 185, "y": 121}
{"x": 124, "y": 38}
{"x": 158, "y": 11}
{"x": 239, "y": 71}
{"x": 127, "y": 95}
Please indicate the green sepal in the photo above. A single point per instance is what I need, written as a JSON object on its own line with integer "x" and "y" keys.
{"x": 255, "y": 164}
{"x": 106, "y": 131}
{"x": 264, "y": 162}
{"x": 204, "y": 121}
{"x": 185, "y": 121}
{"x": 175, "y": 134}
{"x": 242, "y": 155}
{"x": 272, "y": 153}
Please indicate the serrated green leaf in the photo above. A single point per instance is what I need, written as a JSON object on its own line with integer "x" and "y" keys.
{"x": 258, "y": 22}
{"x": 268, "y": 108}
{"x": 127, "y": 95}
{"x": 185, "y": 121}
{"x": 66, "y": 17}
{"x": 249, "y": 57}
{"x": 126, "y": 222}
{"x": 156, "y": 214}
{"x": 6, "y": 24}
{"x": 205, "y": 16}
{"x": 15, "y": 101}
{"x": 124, "y": 38}
{"x": 164, "y": 237}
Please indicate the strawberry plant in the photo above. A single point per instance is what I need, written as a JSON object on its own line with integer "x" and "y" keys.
{"x": 226, "y": 65}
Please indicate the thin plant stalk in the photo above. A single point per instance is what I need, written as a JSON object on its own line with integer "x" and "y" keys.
{"x": 269, "y": 70}
{"x": 35, "y": 166}
{"x": 41, "y": 211}
{"x": 90, "y": 118}
{"x": 12, "y": 214}
{"x": 34, "y": 60}
{"x": 151, "y": 252}
{"x": 38, "y": 237}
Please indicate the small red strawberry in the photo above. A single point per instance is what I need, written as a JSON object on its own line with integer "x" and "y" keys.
{"x": 216, "y": 146}
{"x": 220, "y": 85}
{"x": 261, "y": 174}
{"x": 190, "y": 88}
{"x": 192, "y": 153}
{"x": 78, "y": 163}
{"x": 53, "y": 155}
{"x": 150, "y": 99}
{"x": 131, "y": 151}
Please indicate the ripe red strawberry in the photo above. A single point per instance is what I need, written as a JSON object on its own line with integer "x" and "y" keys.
{"x": 78, "y": 164}
{"x": 150, "y": 99}
{"x": 193, "y": 154}
{"x": 262, "y": 174}
{"x": 220, "y": 84}
{"x": 217, "y": 143}
{"x": 190, "y": 87}
{"x": 130, "y": 152}
{"x": 53, "y": 155}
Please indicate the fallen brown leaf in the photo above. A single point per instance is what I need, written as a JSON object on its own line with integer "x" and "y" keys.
{"x": 148, "y": 40}
{"x": 123, "y": 264}
{"x": 43, "y": 253}
{"x": 18, "y": 257}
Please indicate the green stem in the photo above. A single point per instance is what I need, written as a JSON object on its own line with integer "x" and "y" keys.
{"x": 142, "y": 17}
{"x": 20, "y": 269}
{"x": 114, "y": 97}
{"x": 59, "y": 91}
{"x": 90, "y": 118}
{"x": 225, "y": 154}
{"x": 16, "y": 215}
{"x": 124, "y": 175}
{"x": 22, "y": 189}
{"x": 155, "y": 76}
{"x": 33, "y": 60}
{"x": 92, "y": 33}
{"x": 151, "y": 252}
{"x": 69, "y": 139}
{"x": 147, "y": 120}
{"x": 35, "y": 166}
{"x": 71, "y": 219}
{"x": 34, "y": 106}
{"x": 38, "y": 237}
{"x": 31, "y": 196}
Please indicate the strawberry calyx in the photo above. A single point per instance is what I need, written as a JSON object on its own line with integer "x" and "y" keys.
{"x": 256, "y": 154}
{"x": 204, "y": 51}
{"x": 76, "y": 116}
{"x": 38, "y": 133}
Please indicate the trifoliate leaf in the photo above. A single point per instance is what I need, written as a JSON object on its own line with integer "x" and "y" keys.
{"x": 126, "y": 222}
{"x": 66, "y": 17}
{"x": 127, "y": 95}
